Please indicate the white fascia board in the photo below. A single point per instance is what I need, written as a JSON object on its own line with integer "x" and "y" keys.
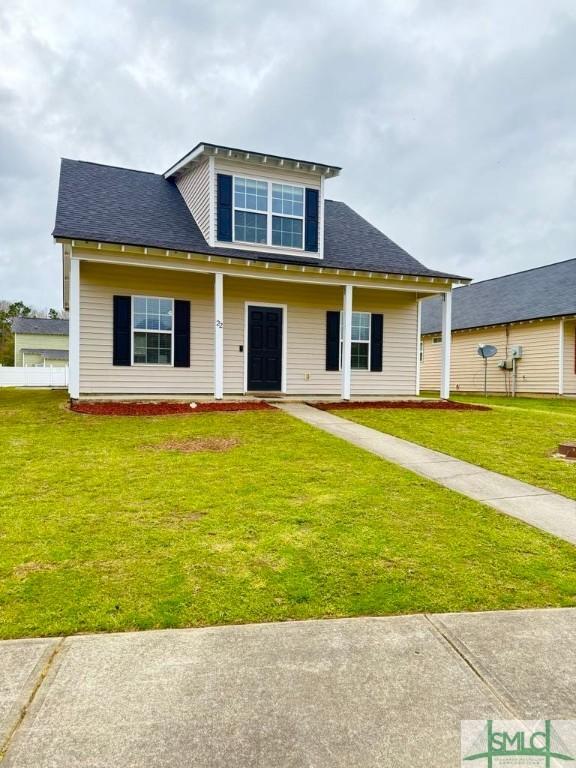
{"x": 426, "y": 287}
{"x": 253, "y": 158}
{"x": 189, "y": 158}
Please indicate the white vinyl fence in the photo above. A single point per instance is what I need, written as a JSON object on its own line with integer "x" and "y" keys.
{"x": 33, "y": 377}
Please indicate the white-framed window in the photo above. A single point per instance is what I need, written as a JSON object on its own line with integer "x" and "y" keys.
{"x": 152, "y": 330}
{"x": 268, "y": 213}
{"x": 437, "y": 340}
{"x": 360, "y": 351}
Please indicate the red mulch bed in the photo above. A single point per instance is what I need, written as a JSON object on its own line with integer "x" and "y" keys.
{"x": 419, "y": 405}
{"x": 162, "y": 409}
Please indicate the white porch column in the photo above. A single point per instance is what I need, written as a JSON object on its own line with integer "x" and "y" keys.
{"x": 561, "y": 358}
{"x": 74, "y": 330}
{"x": 446, "y": 344}
{"x": 347, "y": 343}
{"x": 418, "y": 342}
{"x": 218, "y": 335}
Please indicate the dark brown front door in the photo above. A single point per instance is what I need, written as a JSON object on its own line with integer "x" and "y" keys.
{"x": 265, "y": 349}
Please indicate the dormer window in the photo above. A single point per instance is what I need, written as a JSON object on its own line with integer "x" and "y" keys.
{"x": 268, "y": 213}
{"x": 288, "y": 200}
{"x": 258, "y": 202}
{"x": 250, "y": 196}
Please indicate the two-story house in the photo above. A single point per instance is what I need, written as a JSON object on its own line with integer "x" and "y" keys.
{"x": 232, "y": 274}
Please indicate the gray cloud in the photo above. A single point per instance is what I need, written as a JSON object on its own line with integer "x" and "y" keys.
{"x": 454, "y": 122}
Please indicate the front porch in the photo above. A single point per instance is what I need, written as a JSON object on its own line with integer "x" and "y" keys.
{"x": 329, "y": 334}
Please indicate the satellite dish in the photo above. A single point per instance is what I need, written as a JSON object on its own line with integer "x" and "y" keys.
{"x": 487, "y": 350}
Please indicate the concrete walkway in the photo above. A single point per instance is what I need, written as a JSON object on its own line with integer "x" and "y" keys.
{"x": 360, "y": 692}
{"x": 548, "y": 511}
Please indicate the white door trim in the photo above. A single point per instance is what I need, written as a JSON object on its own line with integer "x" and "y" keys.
{"x": 284, "y": 308}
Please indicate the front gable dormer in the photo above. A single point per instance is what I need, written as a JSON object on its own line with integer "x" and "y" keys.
{"x": 254, "y": 202}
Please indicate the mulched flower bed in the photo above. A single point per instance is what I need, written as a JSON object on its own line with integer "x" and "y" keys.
{"x": 419, "y": 405}
{"x": 163, "y": 409}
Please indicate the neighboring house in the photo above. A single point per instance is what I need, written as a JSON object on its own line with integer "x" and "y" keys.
{"x": 40, "y": 342}
{"x": 230, "y": 274}
{"x": 534, "y": 310}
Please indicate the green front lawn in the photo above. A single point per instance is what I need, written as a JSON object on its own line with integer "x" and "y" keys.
{"x": 566, "y": 405}
{"x": 106, "y": 525}
{"x": 517, "y": 438}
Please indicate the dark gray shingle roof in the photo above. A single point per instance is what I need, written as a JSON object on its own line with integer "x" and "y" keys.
{"x": 117, "y": 205}
{"x": 49, "y": 354}
{"x": 41, "y": 325}
{"x": 548, "y": 291}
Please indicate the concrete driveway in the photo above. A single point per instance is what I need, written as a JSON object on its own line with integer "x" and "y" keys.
{"x": 350, "y": 692}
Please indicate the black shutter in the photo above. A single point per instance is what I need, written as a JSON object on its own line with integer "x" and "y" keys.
{"x": 311, "y": 224}
{"x": 332, "y": 341}
{"x": 122, "y": 325}
{"x": 224, "y": 206}
{"x": 376, "y": 340}
{"x": 181, "y": 334}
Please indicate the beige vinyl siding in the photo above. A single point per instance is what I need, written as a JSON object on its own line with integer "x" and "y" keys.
{"x": 38, "y": 341}
{"x": 430, "y": 365}
{"x": 537, "y": 370}
{"x": 194, "y": 187}
{"x": 99, "y": 283}
{"x": 271, "y": 174}
{"x": 467, "y": 367}
{"x": 268, "y": 172}
{"x": 306, "y": 333}
{"x": 570, "y": 357}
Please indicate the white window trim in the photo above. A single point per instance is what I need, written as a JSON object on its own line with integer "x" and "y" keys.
{"x": 287, "y": 216}
{"x": 354, "y": 341}
{"x": 268, "y": 213}
{"x": 145, "y": 330}
{"x": 284, "y": 308}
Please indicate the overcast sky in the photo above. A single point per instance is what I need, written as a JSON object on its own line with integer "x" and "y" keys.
{"x": 455, "y": 122}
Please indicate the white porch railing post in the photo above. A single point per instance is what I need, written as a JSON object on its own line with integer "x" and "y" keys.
{"x": 418, "y": 343}
{"x": 74, "y": 331}
{"x": 347, "y": 343}
{"x": 218, "y": 336}
{"x": 561, "y": 343}
{"x": 446, "y": 344}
